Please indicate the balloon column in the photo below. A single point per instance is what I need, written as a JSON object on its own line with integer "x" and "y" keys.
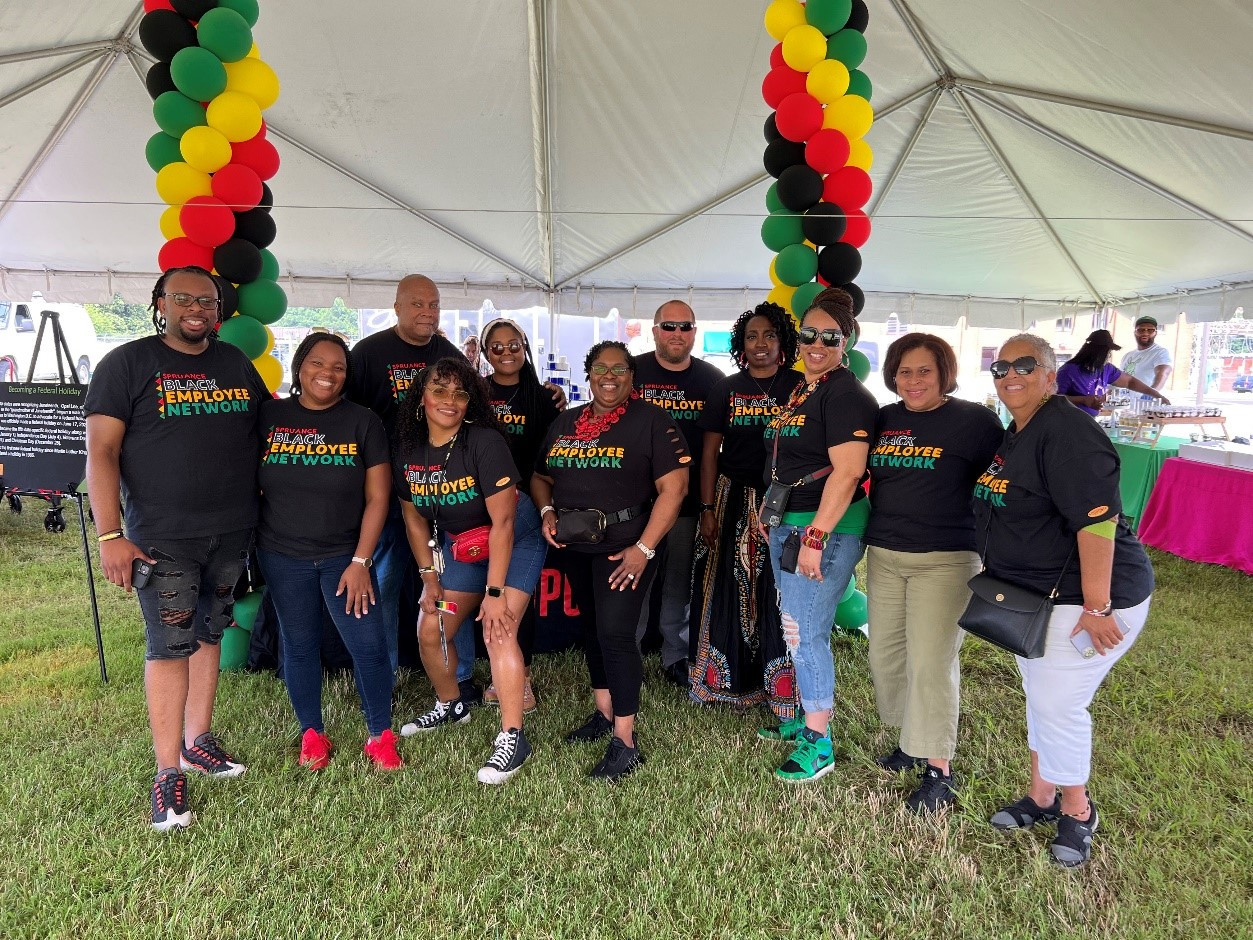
{"x": 212, "y": 160}
{"x": 816, "y": 151}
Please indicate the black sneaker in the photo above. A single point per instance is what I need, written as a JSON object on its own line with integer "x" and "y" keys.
{"x": 936, "y": 791}
{"x": 679, "y": 674}
{"x": 509, "y": 753}
{"x": 595, "y": 728}
{"x": 170, "y": 809}
{"x": 618, "y": 762}
{"x": 207, "y": 757}
{"x": 1072, "y": 846}
{"x": 455, "y": 712}
{"x": 470, "y": 693}
{"x": 1025, "y": 813}
{"x": 898, "y": 762}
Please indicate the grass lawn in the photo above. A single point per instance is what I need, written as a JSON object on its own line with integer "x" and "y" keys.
{"x": 702, "y": 842}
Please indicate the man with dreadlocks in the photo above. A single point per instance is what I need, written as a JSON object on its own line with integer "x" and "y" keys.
{"x": 172, "y": 429}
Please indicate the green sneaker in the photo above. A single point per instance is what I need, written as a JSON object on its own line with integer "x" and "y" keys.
{"x": 813, "y": 758}
{"x": 784, "y": 731}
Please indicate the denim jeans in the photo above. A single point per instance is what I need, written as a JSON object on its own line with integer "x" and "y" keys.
{"x": 810, "y": 605}
{"x": 299, "y": 588}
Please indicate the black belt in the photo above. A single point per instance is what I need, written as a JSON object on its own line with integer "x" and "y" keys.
{"x": 626, "y": 515}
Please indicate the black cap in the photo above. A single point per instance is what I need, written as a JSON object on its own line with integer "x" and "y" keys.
{"x": 1101, "y": 338}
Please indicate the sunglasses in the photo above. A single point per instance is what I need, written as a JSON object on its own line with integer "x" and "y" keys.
{"x": 600, "y": 368}
{"x": 444, "y": 393}
{"x": 671, "y": 325}
{"x": 809, "y": 335}
{"x": 1024, "y": 365}
{"x": 497, "y": 348}
{"x": 186, "y": 300}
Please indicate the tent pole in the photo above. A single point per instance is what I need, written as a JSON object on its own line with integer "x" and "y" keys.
{"x": 541, "y": 129}
{"x": 921, "y": 40}
{"x": 99, "y": 46}
{"x": 886, "y": 188}
{"x": 49, "y": 78}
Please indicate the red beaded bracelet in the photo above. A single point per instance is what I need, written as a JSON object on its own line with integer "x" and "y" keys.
{"x": 810, "y": 542}
{"x": 813, "y": 532}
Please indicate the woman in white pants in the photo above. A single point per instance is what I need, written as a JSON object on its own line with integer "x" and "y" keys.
{"x": 1048, "y": 508}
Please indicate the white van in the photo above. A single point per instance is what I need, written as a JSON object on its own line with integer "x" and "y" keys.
{"x": 19, "y": 325}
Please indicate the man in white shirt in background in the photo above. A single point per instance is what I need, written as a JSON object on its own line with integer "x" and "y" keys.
{"x": 1148, "y": 362}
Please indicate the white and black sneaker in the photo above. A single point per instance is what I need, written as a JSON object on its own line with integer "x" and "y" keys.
{"x": 509, "y": 753}
{"x": 170, "y": 809}
{"x": 455, "y": 712}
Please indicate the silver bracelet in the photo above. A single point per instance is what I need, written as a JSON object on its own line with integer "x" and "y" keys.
{"x": 546, "y": 509}
{"x": 649, "y": 553}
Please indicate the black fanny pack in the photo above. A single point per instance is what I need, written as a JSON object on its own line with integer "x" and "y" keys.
{"x": 774, "y": 502}
{"x": 587, "y": 526}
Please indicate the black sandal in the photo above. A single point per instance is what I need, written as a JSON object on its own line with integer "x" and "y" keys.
{"x": 1072, "y": 846}
{"x": 1025, "y": 813}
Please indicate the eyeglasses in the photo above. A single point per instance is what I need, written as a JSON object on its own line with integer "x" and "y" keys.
{"x": 600, "y": 368}
{"x": 513, "y": 346}
{"x": 682, "y": 326}
{"x": 444, "y": 393}
{"x": 809, "y": 335}
{"x": 186, "y": 300}
{"x": 1023, "y": 365}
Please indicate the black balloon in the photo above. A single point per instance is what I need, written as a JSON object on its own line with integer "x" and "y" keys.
{"x": 823, "y": 224}
{"x": 800, "y": 187}
{"x": 267, "y": 198}
{"x": 238, "y": 260}
{"x": 781, "y": 154}
{"x": 164, "y": 32}
{"x": 158, "y": 80}
{"x": 772, "y": 129}
{"x": 859, "y": 298}
{"x": 859, "y": 18}
{"x": 256, "y": 226}
{"x": 193, "y": 9}
{"x": 230, "y": 297}
{"x": 839, "y": 263}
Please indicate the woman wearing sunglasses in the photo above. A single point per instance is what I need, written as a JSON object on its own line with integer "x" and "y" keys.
{"x": 929, "y": 450}
{"x": 816, "y": 454}
{"x": 458, "y": 489}
{"x": 610, "y": 479}
{"x": 525, "y": 410}
{"x": 1047, "y": 514}
{"x": 740, "y": 658}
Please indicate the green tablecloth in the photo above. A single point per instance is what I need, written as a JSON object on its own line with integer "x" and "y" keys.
{"x": 1140, "y": 466}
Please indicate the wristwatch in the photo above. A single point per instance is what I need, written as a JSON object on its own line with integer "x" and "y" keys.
{"x": 495, "y": 591}
{"x": 649, "y": 553}
{"x": 706, "y": 507}
{"x": 364, "y": 562}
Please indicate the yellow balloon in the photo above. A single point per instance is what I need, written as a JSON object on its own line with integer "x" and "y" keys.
{"x": 804, "y": 47}
{"x": 783, "y": 16}
{"x": 235, "y": 115}
{"x": 171, "y": 227}
{"x": 774, "y": 278}
{"x": 255, "y": 79}
{"x": 860, "y": 155}
{"x": 178, "y": 182}
{"x": 254, "y": 52}
{"x": 850, "y": 115}
{"x": 269, "y": 341}
{"x": 827, "y": 81}
{"x": 781, "y": 295}
{"x": 271, "y": 371}
{"x": 205, "y": 149}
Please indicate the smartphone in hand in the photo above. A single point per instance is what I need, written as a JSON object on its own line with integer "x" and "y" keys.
{"x": 141, "y": 571}
{"x": 1083, "y": 642}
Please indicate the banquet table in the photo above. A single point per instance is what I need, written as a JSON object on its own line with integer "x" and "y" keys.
{"x": 1140, "y": 466}
{"x": 1202, "y": 512}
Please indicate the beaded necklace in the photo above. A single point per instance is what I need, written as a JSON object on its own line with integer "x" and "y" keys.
{"x": 588, "y": 426}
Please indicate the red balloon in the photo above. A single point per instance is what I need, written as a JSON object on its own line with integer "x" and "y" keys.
{"x": 799, "y": 116}
{"x": 776, "y": 57}
{"x": 207, "y": 221}
{"x": 258, "y": 154}
{"x": 238, "y": 186}
{"x": 822, "y": 280}
{"x": 182, "y": 252}
{"x": 848, "y": 187}
{"x": 781, "y": 82}
{"x": 857, "y": 229}
{"x": 827, "y": 150}
{"x": 150, "y": 5}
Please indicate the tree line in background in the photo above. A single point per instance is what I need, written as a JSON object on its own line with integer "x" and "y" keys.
{"x": 118, "y": 318}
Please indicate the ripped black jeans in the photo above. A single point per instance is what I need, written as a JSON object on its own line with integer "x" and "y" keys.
{"x": 189, "y": 599}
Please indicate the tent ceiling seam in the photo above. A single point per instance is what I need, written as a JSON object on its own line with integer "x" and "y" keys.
{"x": 886, "y": 188}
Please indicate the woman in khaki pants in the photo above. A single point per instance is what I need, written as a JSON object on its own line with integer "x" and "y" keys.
{"x": 929, "y": 450}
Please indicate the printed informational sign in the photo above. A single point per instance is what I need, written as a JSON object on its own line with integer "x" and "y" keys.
{"x": 43, "y": 436}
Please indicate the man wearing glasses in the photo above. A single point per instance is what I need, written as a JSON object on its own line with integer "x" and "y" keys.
{"x": 671, "y": 379}
{"x": 172, "y": 427}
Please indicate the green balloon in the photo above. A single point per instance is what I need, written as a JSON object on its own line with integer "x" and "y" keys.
{"x": 796, "y": 264}
{"x": 859, "y": 365}
{"x": 780, "y": 229}
{"x": 851, "y": 614}
{"x": 849, "y": 46}
{"x": 246, "y": 333}
{"x": 269, "y": 266}
{"x": 263, "y": 301}
{"x": 852, "y": 340}
{"x": 246, "y": 608}
{"x": 234, "y": 652}
{"x": 859, "y": 84}
{"x": 803, "y": 299}
{"x": 198, "y": 73}
{"x": 848, "y": 591}
{"x": 162, "y": 149}
{"x": 248, "y": 9}
{"x": 828, "y": 15}
{"x": 176, "y": 113}
{"x": 773, "y": 204}
{"x": 225, "y": 33}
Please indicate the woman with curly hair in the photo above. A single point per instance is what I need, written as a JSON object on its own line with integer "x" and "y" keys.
{"x": 739, "y": 657}
{"x": 458, "y": 489}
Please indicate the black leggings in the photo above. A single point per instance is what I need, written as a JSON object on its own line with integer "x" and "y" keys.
{"x": 609, "y": 618}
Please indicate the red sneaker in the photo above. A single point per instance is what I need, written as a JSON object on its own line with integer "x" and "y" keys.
{"x": 315, "y": 750}
{"x": 383, "y": 752}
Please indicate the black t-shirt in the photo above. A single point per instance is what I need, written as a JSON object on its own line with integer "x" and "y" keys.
{"x": 451, "y": 484}
{"x": 682, "y": 395}
{"x": 740, "y": 408}
{"x": 613, "y": 471}
{"x": 524, "y": 428}
{"x": 313, "y": 468}
{"x": 384, "y": 366}
{"x": 837, "y": 411}
{"x": 922, "y": 468}
{"x": 1045, "y": 484}
{"x": 189, "y": 456}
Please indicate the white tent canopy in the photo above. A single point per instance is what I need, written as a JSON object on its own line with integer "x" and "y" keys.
{"x": 592, "y": 155}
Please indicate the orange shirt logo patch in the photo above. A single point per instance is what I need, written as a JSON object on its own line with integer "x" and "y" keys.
{"x": 861, "y": 434}
{"x": 502, "y": 481}
{"x": 1098, "y": 511}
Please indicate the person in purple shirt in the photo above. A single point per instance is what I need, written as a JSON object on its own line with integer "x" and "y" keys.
{"x": 1089, "y": 373}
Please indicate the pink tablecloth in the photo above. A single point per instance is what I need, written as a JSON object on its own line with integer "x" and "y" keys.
{"x": 1203, "y": 513}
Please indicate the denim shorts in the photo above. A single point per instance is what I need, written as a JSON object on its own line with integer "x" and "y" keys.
{"x": 525, "y": 563}
{"x": 189, "y": 599}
